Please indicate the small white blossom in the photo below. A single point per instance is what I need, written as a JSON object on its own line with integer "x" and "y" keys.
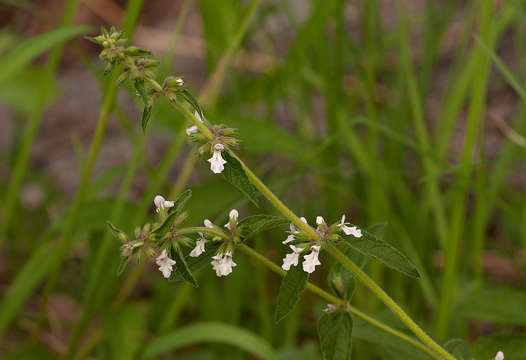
{"x": 194, "y": 128}
{"x": 233, "y": 219}
{"x": 292, "y": 258}
{"x": 216, "y": 161}
{"x": 165, "y": 264}
{"x": 499, "y": 356}
{"x": 319, "y": 220}
{"x": 208, "y": 224}
{"x": 223, "y": 264}
{"x": 291, "y": 235}
{"x": 349, "y": 230}
{"x": 303, "y": 220}
{"x": 161, "y": 203}
{"x": 311, "y": 260}
{"x": 329, "y": 309}
{"x": 199, "y": 246}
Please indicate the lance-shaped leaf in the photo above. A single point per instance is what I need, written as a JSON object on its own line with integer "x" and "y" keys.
{"x": 180, "y": 202}
{"x": 118, "y": 233}
{"x": 290, "y": 291}
{"x": 122, "y": 264}
{"x": 335, "y": 332}
{"x": 187, "y": 95}
{"x": 146, "y": 114}
{"x": 195, "y": 263}
{"x": 371, "y": 245}
{"x": 252, "y": 225}
{"x": 234, "y": 174}
{"x": 181, "y": 267}
{"x": 147, "y": 111}
{"x": 459, "y": 349}
{"x": 162, "y": 229}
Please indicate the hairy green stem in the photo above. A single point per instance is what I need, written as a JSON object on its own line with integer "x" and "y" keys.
{"x": 334, "y": 300}
{"x": 387, "y": 300}
{"x": 281, "y": 207}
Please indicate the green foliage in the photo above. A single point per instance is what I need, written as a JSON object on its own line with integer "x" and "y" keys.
{"x": 459, "y": 349}
{"x": 290, "y": 291}
{"x": 513, "y": 345}
{"x": 252, "y": 225}
{"x": 210, "y": 333}
{"x": 181, "y": 267}
{"x": 335, "y": 332}
{"x": 371, "y": 245}
{"x": 235, "y": 175}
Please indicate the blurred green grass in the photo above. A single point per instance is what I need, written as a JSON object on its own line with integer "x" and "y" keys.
{"x": 342, "y": 122}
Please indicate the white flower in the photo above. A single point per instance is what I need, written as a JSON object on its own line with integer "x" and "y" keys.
{"x": 233, "y": 219}
{"x": 311, "y": 260}
{"x": 303, "y": 220}
{"x": 319, "y": 220}
{"x": 223, "y": 264}
{"x": 291, "y": 235}
{"x": 292, "y": 258}
{"x": 349, "y": 230}
{"x": 329, "y": 309}
{"x": 199, "y": 246}
{"x": 161, "y": 203}
{"x": 208, "y": 224}
{"x": 499, "y": 356}
{"x": 194, "y": 128}
{"x": 165, "y": 264}
{"x": 216, "y": 161}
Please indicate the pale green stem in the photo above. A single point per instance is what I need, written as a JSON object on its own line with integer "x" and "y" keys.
{"x": 315, "y": 289}
{"x": 278, "y": 204}
{"x": 378, "y": 291}
{"x": 334, "y": 300}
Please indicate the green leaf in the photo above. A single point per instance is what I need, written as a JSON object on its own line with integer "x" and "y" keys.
{"x": 192, "y": 101}
{"x": 180, "y": 202}
{"x": 210, "y": 333}
{"x": 513, "y": 346}
{"x": 341, "y": 281}
{"x": 118, "y": 233}
{"x": 234, "y": 174}
{"x": 21, "y": 56}
{"x": 290, "y": 291}
{"x": 122, "y": 264}
{"x": 252, "y": 225}
{"x": 459, "y": 349}
{"x": 160, "y": 231}
{"x": 498, "y": 305}
{"x": 181, "y": 267}
{"x": 195, "y": 263}
{"x": 371, "y": 245}
{"x": 146, "y": 114}
{"x": 335, "y": 332}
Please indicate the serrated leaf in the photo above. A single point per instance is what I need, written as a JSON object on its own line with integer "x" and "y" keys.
{"x": 146, "y": 114}
{"x": 513, "y": 346}
{"x": 122, "y": 264}
{"x": 180, "y": 202}
{"x": 162, "y": 229}
{"x": 234, "y": 174}
{"x": 371, "y": 245}
{"x": 335, "y": 332}
{"x": 290, "y": 291}
{"x": 187, "y": 95}
{"x": 195, "y": 263}
{"x": 459, "y": 349}
{"x": 252, "y": 225}
{"x": 181, "y": 267}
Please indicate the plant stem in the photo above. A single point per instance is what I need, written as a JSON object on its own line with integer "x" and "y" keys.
{"x": 378, "y": 291}
{"x": 333, "y": 299}
{"x": 281, "y": 207}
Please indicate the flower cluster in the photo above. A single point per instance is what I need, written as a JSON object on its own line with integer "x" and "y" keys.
{"x": 222, "y": 262}
{"x": 298, "y": 242}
